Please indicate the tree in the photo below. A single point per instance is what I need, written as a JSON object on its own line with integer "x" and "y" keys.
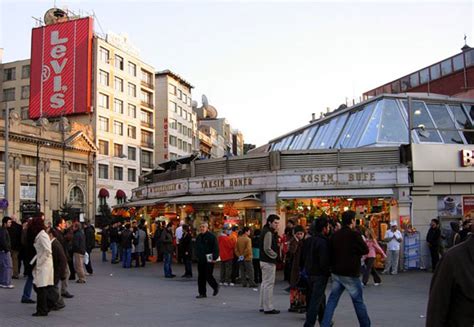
{"x": 105, "y": 215}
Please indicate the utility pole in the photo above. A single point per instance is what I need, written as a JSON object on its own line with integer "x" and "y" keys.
{"x": 7, "y": 161}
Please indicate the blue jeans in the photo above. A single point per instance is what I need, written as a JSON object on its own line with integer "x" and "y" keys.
{"x": 28, "y": 288}
{"x": 113, "y": 247}
{"x": 317, "y": 299}
{"x": 104, "y": 256}
{"x": 354, "y": 287}
{"x": 167, "y": 264}
{"x": 127, "y": 258}
{"x": 6, "y": 268}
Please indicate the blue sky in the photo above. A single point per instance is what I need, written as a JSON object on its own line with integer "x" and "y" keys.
{"x": 266, "y": 66}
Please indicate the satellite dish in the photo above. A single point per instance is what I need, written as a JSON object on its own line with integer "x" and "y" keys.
{"x": 194, "y": 104}
{"x": 54, "y": 16}
{"x": 205, "y": 102}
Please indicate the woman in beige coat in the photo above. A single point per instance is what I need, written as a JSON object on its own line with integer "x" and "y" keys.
{"x": 43, "y": 271}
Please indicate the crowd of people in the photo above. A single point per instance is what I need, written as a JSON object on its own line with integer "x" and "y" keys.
{"x": 339, "y": 251}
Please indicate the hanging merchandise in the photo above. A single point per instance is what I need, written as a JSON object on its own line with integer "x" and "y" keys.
{"x": 188, "y": 209}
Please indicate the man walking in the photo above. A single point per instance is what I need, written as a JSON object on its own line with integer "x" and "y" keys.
{"x": 433, "y": 239}
{"x": 394, "y": 238}
{"x": 58, "y": 232}
{"x": 315, "y": 260}
{"x": 6, "y": 267}
{"x": 243, "y": 251}
{"x": 268, "y": 257}
{"x": 207, "y": 252}
{"x": 79, "y": 250}
{"x": 347, "y": 248}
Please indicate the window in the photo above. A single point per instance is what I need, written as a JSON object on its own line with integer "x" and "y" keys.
{"x": 458, "y": 62}
{"x": 118, "y": 62}
{"x": 446, "y": 67}
{"x": 146, "y": 118}
{"x": 103, "y": 101}
{"x": 462, "y": 121}
{"x": 424, "y": 76}
{"x": 25, "y": 92}
{"x": 25, "y": 71}
{"x": 173, "y": 124}
{"x": 104, "y": 55}
{"x": 132, "y": 110}
{"x": 118, "y": 128}
{"x": 132, "y": 132}
{"x": 147, "y": 159}
{"x": 435, "y": 71}
{"x": 422, "y": 122}
{"x": 103, "y": 171}
{"x": 172, "y": 89}
{"x": 173, "y": 106}
{"x": 9, "y": 74}
{"x": 185, "y": 114}
{"x": 443, "y": 120}
{"x": 24, "y": 113}
{"x": 132, "y": 153}
{"x": 103, "y": 78}
{"x": 132, "y": 175}
{"x": 76, "y": 195}
{"x": 180, "y": 94}
{"x": 146, "y": 97}
{"x": 132, "y": 90}
{"x": 185, "y": 98}
{"x": 118, "y": 150}
{"x": 103, "y": 124}
{"x": 118, "y": 82}
{"x": 180, "y": 111}
{"x": 118, "y": 173}
{"x": 180, "y": 144}
{"x": 9, "y": 94}
{"x": 147, "y": 139}
{"x": 147, "y": 77}
{"x": 414, "y": 80}
{"x": 132, "y": 69}
{"x": 180, "y": 128}
{"x": 393, "y": 127}
{"x": 118, "y": 106}
{"x": 173, "y": 140}
{"x": 104, "y": 147}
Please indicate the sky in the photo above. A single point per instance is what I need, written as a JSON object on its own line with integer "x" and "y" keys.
{"x": 268, "y": 65}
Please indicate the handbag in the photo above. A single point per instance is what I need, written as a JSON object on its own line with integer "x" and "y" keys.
{"x": 86, "y": 258}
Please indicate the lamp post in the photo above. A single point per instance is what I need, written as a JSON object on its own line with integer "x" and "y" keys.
{"x": 38, "y": 146}
{"x": 6, "y": 159}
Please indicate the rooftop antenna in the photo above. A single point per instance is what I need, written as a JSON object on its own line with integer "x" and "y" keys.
{"x": 98, "y": 23}
{"x": 39, "y": 21}
{"x": 465, "y": 37}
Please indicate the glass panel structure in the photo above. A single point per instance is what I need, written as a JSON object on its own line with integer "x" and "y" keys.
{"x": 393, "y": 128}
{"x": 336, "y": 130}
{"x": 422, "y": 123}
{"x": 370, "y": 134}
{"x": 443, "y": 121}
{"x": 309, "y": 137}
{"x": 463, "y": 122}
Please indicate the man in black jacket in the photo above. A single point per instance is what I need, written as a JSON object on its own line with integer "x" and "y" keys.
{"x": 452, "y": 288}
{"x": 5, "y": 257}
{"x": 207, "y": 252}
{"x": 58, "y": 232}
{"x": 79, "y": 250}
{"x": 346, "y": 247}
{"x": 433, "y": 238}
{"x": 15, "y": 238}
{"x": 89, "y": 232}
{"x": 315, "y": 261}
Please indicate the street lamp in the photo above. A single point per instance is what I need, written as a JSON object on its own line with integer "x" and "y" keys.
{"x": 38, "y": 146}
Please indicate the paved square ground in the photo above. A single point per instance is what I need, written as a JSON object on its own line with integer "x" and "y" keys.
{"x": 114, "y": 296}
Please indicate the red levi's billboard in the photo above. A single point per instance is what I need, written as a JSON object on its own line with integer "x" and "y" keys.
{"x": 61, "y": 68}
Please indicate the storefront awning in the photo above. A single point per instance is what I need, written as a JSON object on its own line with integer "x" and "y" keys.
{"x": 216, "y": 198}
{"x": 355, "y": 193}
{"x": 140, "y": 203}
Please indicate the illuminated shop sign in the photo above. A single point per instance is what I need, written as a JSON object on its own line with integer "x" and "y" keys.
{"x": 466, "y": 158}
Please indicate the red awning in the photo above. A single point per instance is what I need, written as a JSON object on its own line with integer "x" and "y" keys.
{"x": 120, "y": 194}
{"x": 103, "y": 193}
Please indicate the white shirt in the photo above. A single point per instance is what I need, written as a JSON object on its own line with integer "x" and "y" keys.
{"x": 179, "y": 233}
{"x": 393, "y": 245}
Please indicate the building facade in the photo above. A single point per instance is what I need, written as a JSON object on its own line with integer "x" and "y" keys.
{"x": 54, "y": 158}
{"x": 176, "y": 131}
{"x": 15, "y": 86}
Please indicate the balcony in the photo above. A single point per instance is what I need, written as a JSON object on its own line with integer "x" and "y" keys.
{"x": 147, "y": 124}
{"x": 148, "y": 85}
{"x": 146, "y": 104}
{"x": 147, "y": 144}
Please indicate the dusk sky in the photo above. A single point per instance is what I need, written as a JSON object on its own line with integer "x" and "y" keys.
{"x": 266, "y": 66}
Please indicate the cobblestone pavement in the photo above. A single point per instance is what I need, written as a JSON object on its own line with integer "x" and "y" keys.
{"x": 143, "y": 297}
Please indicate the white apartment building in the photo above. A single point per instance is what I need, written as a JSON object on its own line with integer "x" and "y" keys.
{"x": 176, "y": 123}
{"x": 123, "y": 119}
{"x": 223, "y": 141}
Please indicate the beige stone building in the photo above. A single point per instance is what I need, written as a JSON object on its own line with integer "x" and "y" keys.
{"x": 176, "y": 123}
{"x": 63, "y": 160}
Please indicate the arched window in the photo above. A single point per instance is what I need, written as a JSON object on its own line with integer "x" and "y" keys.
{"x": 76, "y": 195}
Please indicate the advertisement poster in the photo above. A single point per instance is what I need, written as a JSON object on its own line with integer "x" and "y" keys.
{"x": 450, "y": 206}
{"x": 468, "y": 206}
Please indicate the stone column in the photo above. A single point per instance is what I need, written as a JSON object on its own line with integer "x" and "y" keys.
{"x": 270, "y": 206}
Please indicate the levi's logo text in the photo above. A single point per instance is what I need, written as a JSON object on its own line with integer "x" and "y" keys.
{"x": 58, "y": 62}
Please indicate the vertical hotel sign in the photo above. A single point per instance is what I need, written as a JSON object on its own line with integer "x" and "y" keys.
{"x": 61, "y": 65}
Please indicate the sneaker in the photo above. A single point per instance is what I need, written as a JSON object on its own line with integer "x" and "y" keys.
{"x": 81, "y": 281}
{"x": 7, "y": 286}
{"x": 272, "y": 312}
{"x": 376, "y": 284}
{"x": 231, "y": 284}
{"x": 216, "y": 291}
{"x": 221, "y": 284}
{"x": 28, "y": 301}
{"x": 225, "y": 284}
{"x": 67, "y": 295}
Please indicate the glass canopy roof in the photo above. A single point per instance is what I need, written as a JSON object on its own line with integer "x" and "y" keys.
{"x": 384, "y": 121}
